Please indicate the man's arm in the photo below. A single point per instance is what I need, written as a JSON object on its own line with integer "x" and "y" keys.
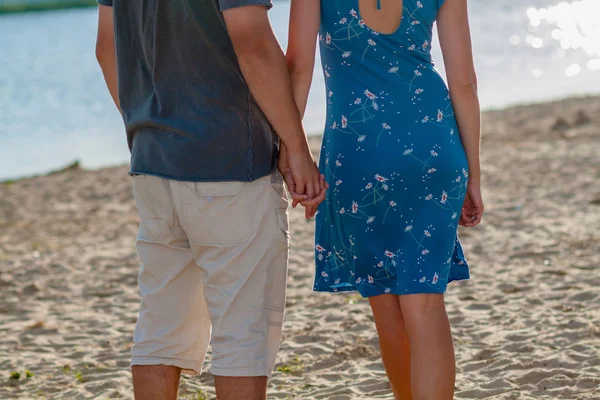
{"x": 106, "y": 52}
{"x": 265, "y": 70}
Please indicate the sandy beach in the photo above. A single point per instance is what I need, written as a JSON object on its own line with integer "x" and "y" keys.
{"x": 527, "y": 326}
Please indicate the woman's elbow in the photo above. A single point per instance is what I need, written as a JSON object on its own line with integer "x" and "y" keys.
{"x": 298, "y": 66}
{"x": 473, "y": 81}
{"x": 464, "y": 84}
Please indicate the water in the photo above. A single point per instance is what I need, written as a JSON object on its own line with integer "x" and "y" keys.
{"x": 54, "y": 107}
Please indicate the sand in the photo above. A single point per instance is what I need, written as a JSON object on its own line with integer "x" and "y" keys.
{"x": 527, "y": 326}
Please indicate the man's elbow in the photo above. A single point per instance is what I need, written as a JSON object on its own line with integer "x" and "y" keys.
{"x": 104, "y": 52}
{"x": 248, "y": 47}
{"x": 250, "y": 32}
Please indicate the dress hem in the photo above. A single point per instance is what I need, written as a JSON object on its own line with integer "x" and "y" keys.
{"x": 428, "y": 289}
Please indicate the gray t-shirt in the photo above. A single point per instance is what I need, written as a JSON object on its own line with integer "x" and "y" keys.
{"x": 188, "y": 112}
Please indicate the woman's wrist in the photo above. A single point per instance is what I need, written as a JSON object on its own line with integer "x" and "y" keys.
{"x": 474, "y": 172}
{"x": 474, "y": 180}
{"x": 474, "y": 177}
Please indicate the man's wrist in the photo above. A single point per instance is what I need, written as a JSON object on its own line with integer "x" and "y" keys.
{"x": 296, "y": 144}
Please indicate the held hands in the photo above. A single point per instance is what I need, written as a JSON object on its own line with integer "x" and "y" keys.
{"x": 301, "y": 174}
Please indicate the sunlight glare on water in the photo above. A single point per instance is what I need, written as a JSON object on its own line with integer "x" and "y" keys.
{"x": 572, "y": 25}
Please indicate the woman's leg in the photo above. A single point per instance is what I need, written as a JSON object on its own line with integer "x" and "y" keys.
{"x": 393, "y": 341}
{"x": 432, "y": 352}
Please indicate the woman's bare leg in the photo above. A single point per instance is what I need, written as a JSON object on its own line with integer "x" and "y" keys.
{"x": 432, "y": 352}
{"x": 394, "y": 344}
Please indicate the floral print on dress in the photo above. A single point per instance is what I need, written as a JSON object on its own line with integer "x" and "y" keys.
{"x": 392, "y": 156}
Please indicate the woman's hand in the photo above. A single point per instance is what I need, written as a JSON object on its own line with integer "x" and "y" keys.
{"x": 311, "y": 205}
{"x": 472, "y": 209}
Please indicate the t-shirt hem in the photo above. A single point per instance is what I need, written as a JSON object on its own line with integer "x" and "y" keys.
{"x": 258, "y": 176}
{"x": 243, "y": 3}
{"x": 108, "y": 3}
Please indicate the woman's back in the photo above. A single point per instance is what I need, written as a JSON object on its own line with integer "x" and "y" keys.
{"x": 341, "y": 20}
{"x": 394, "y": 68}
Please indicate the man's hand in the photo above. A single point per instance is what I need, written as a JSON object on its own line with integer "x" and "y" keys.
{"x": 311, "y": 204}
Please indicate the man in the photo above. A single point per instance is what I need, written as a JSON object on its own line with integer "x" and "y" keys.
{"x": 202, "y": 84}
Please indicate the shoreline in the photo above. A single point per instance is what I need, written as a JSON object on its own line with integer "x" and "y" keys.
{"x": 317, "y": 136}
{"x": 24, "y": 6}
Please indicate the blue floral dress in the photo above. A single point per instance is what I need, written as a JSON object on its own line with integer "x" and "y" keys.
{"x": 393, "y": 158}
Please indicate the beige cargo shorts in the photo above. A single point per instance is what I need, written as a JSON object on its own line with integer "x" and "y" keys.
{"x": 214, "y": 269}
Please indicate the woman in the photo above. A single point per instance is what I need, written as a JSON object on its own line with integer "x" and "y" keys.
{"x": 402, "y": 162}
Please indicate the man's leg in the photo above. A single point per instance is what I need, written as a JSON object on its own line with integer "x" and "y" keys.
{"x": 155, "y": 382}
{"x": 236, "y": 388}
{"x": 173, "y": 329}
{"x": 242, "y": 248}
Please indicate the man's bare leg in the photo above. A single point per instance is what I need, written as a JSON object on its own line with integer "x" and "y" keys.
{"x": 155, "y": 382}
{"x": 236, "y": 388}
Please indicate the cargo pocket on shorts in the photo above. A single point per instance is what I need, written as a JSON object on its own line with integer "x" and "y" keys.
{"x": 277, "y": 276}
{"x": 281, "y": 204}
{"x": 150, "y": 222}
{"x": 215, "y": 213}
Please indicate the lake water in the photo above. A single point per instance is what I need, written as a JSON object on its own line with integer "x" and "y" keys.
{"x": 54, "y": 107}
